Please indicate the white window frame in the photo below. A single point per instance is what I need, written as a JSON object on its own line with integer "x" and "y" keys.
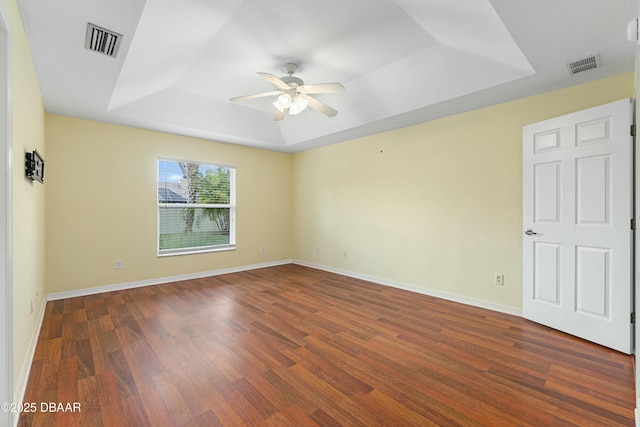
{"x": 231, "y": 206}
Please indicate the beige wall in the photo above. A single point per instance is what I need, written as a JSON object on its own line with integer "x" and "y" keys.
{"x": 102, "y": 201}
{"x": 28, "y": 200}
{"x": 436, "y": 205}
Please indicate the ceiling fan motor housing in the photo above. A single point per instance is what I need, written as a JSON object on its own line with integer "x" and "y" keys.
{"x": 290, "y": 79}
{"x": 291, "y": 68}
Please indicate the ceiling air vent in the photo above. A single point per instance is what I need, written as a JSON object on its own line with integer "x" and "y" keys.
{"x": 584, "y": 64}
{"x": 101, "y": 40}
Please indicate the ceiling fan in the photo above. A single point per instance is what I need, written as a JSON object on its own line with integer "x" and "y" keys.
{"x": 294, "y": 95}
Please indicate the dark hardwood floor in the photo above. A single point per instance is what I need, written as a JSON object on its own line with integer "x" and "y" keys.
{"x": 294, "y": 346}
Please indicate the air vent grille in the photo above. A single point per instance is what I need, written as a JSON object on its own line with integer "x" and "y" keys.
{"x": 101, "y": 40}
{"x": 583, "y": 64}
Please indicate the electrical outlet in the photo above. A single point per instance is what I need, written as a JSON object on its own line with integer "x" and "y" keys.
{"x": 119, "y": 264}
{"x": 318, "y": 249}
{"x": 344, "y": 255}
{"x": 499, "y": 279}
{"x": 263, "y": 249}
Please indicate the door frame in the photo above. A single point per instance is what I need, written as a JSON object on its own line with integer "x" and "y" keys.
{"x": 636, "y": 204}
{"x": 6, "y": 224}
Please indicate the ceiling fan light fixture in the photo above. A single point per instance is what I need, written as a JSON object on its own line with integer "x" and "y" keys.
{"x": 298, "y": 105}
{"x": 283, "y": 102}
{"x": 293, "y": 96}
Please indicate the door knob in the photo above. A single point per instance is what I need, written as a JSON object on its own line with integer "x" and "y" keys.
{"x": 529, "y": 232}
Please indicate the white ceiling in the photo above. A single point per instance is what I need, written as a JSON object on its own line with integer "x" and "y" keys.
{"x": 401, "y": 61}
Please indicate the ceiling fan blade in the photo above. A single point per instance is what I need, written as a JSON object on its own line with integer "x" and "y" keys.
{"x": 322, "y": 88}
{"x": 257, "y": 95}
{"x": 319, "y": 106}
{"x": 276, "y": 81}
{"x": 280, "y": 114}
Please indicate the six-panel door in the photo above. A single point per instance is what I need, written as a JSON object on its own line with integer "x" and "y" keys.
{"x": 577, "y": 209}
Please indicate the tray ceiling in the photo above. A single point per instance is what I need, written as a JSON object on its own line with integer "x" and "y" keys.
{"x": 401, "y": 62}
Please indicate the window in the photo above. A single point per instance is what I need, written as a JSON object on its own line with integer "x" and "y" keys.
{"x": 196, "y": 207}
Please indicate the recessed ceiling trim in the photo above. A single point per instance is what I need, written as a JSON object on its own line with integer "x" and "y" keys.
{"x": 584, "y": 64}
{"x": 182, "y": 61}
{"x": 101, "y": 40}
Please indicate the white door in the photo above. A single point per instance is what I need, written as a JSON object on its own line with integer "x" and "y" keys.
{"x": 577, "y": 237}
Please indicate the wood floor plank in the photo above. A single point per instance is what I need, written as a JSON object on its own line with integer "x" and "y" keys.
{"x": 110, "y": 403}
{"x": 134, "y": 408}
{"x": 88, "y": 397}
{"x": 177, "y": 406}
{"x": 295, "y": 346}
{"x": 155, "y": 409}
{"x": 392, "y": 410}
{"x": 68, "y": 391}
{"x": 330, "y": 400}
{"x": 291, "y": 416}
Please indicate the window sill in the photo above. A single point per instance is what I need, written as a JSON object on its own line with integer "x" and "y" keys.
{"x": 176, "y": 252}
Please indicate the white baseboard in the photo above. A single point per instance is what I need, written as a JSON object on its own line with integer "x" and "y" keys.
{"x": 138, "y": 284}
{"x": 150, "y": 282}
{"x": 23, "y": 379}
{"x": 407, "y": 287}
